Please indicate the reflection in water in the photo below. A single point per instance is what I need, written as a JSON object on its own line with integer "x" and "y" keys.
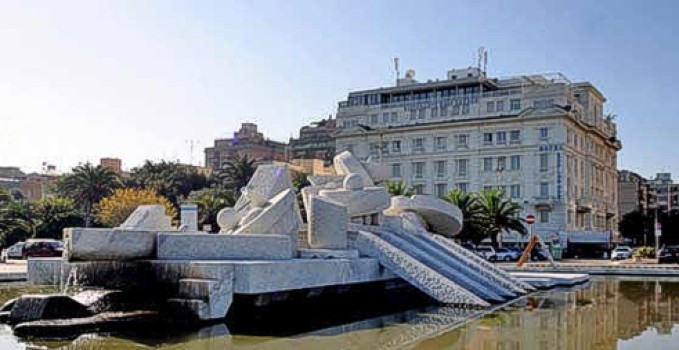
{"x": 610, "y": 313}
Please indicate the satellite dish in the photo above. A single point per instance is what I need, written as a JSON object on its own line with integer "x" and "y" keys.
{"x": 410, "y": 74}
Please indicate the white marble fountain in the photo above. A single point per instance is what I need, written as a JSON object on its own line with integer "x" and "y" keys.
{"x": 356, "y": 233}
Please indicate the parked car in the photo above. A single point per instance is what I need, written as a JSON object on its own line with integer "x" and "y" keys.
{"x": 621, "y": 253}
{"x": 42, "y": 248}
{"x": 539, "y": 254}
{"x": 487, "y": 252}
{"x": 12, "y": 252}
{"x": 506, "y": 254}
{"x": 669, "y": 254}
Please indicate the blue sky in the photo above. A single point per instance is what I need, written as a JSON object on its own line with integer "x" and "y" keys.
{"x": 80, "y": 80}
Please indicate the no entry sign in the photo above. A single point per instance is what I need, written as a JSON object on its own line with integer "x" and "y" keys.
{"x": 530, "y": 219}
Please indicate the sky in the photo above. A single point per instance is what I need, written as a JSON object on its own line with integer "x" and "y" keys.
{"x": 137, "y": 80}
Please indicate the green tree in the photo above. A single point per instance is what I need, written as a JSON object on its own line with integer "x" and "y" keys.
{"x": 5, "y": 196}
{"x": 16, "y": 222}
{"x": 170, "y": 180}
{"x": 472, "y": 225}
{"x": 210, "y": 201}
{"x": 499, "y": 214}
{"x": 88, "y": 185}
{"x": 399, "y": 188}
{"x": 300, "y": 180}
{"x": 52, "y": 215}
{"x": 237, "y": 172}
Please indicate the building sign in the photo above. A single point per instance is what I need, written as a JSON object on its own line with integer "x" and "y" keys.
{"x": 559, "y": 166}
{"x": 559, "y": 177}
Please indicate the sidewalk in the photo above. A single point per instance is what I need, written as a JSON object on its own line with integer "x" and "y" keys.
{"x": 13, "y": 270}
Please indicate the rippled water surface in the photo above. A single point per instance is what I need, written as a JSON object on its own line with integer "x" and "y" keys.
{"x": 609, "y": 313}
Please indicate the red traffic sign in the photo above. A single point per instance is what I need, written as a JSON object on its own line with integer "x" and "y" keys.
{"x": 530, "y": 219}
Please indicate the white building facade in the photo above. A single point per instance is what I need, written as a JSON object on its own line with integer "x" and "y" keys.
{"x": 540, "y": 138}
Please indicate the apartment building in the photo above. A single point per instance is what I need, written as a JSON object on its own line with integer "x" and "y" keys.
{"x": 543, "y": 139}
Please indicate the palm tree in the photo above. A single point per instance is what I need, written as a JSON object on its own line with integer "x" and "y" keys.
{"x": 88, "y": 185}
{"x": 471, "y": 214}
{"x": 55, "y": 214}
{"x": 399, "y": 188}
{"x": 210, "y": 201}
{"x": 499, "y": 214}
{"x": 237, "y": 172}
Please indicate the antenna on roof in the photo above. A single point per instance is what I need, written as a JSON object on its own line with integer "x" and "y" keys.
{"x": 398, "y": 72}
{"x": 482, "y": 57}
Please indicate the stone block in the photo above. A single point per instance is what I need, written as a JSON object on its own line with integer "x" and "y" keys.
{"x": 267, "y": 181}
{"x": 181, "y": 246}
{"x": 415, "y": 272}
{"x": 148, "y": 217}
{"x": 441, "y": 217}
{"x": 109, "y": 244}
{"x": 328, "y": 254}
{"x": 369, "y": 200}
{"x": 43, "y": 271}
{"x": 326, "y": 181}
{"x": 345, "y": 163}
{"x": 327, "y": 223}
{"x": 256, "y": 277}
{"x": 281, "y": 216}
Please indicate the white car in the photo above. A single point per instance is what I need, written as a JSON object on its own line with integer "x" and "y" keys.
{"x": 621, "y": 253}
{"x": 487, "y": 252}
{"x": 13, "y": 252}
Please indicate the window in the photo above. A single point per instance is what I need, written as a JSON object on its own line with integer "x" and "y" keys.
{"x": 421, "y": 113}
{"x": 463, "y": 186}
{"x": 444, "y": 111}
{"x": 488, "y": 138}
{"x": 418, "y": 189}
{"x": 418, "y": 170}
{"x": 394, "y": 117}
{"x": 455, "y": 110}
{"x": 502, "y": 137}
{"x": 515, "y": 136}
{"x": 515, "y": 191}
{"x": 441, "y": 190}
{"x": 462, "y": 140}
{"x": 441, "y": 143}
{"x": 543, "y": 104}
{"x": 544, "y": 189}
{"x": 544, "y": 162}
{"x": 487, "y": 164}
{"x": 385, "y": 117}
{"x": 462, "y": 167}
{"x": 465, "y": 109}
{"x": 396, "y": 146}
{"x": 515, "y": 104}
{"x": 396, "y": 170}
{"x": 515, "y": 162}
{"x": 440, "y": 166}
{"x": 374, "y": 148}
{"x": 413, "y": 114}
{"x": 544, "y": 133}
{"x": 373, "y": 119}
{"x": 490, "y": 107}
{"x": 499, "y": 106}
{"x": 487, "y": 188}
{"x": 434, "y": 112}
{"x": 418, "y": 144}
{"x": 544, "y": 217}
{"x": 501, "y": 163}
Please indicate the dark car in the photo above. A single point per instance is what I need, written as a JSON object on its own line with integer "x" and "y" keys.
{"x": 42, "y": 248}
{"x": 669, "y": 254}
{"x": 539, "y": 254}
